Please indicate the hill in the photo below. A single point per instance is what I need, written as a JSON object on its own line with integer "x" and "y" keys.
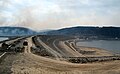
{"x": 15, "y": 31}
{"x": 101, "y": 32}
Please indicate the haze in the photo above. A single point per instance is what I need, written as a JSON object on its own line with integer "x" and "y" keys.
{"x": 55, "y": 14}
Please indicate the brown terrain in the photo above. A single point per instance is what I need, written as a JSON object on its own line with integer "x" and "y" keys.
{"x": 58, "y": 55}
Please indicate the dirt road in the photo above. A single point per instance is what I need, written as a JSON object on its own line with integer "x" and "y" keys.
{"x": 28, "y": 63}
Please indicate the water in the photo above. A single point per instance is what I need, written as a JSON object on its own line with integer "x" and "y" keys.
{"x": 3, "y": 38}
{"x": 113, "y": 46}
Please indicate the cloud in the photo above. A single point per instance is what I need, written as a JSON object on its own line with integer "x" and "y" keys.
{"x": 52, "y": 14}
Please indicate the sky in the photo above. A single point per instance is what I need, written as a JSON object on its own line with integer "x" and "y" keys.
{"x": 56, "y": 14}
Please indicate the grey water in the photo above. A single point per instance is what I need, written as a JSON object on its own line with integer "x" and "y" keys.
{"x": 3, "y": 38}
{"x": 110, "y": 45}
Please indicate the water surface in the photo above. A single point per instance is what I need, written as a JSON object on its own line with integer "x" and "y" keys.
{"x": 110, "y": 45}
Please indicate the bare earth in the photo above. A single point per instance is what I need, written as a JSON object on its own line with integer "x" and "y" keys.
{"x": 28, "y": 63}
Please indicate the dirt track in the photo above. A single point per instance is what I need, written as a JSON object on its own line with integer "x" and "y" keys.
{"x": 29, "y": 63}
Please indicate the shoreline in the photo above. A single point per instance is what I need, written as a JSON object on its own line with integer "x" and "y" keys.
{"x": 113, "y": 49}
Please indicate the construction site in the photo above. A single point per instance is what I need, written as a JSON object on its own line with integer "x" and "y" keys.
{"x": 53, "y": 54}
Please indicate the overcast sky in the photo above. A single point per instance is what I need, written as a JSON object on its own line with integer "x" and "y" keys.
{"x": 54, "y": 14}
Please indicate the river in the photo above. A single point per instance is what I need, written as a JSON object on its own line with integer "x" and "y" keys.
{"x": 110, "y": 45}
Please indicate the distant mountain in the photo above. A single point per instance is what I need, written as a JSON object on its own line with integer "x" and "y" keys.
{"x": 15, "y": 31}
{"x": 98, "y": 32}
{"x": 109, "y": 32}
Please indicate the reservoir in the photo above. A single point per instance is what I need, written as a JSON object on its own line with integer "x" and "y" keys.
{"x": 110, "y": 45}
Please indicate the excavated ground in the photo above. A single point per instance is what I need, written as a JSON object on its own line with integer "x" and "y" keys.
{"x": 37, "y": 63}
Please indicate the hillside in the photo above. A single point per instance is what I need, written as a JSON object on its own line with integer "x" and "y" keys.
{"x": 15, "y": 31}
{"x": 95, "y": 32}
{"x": 104, "y": 32}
